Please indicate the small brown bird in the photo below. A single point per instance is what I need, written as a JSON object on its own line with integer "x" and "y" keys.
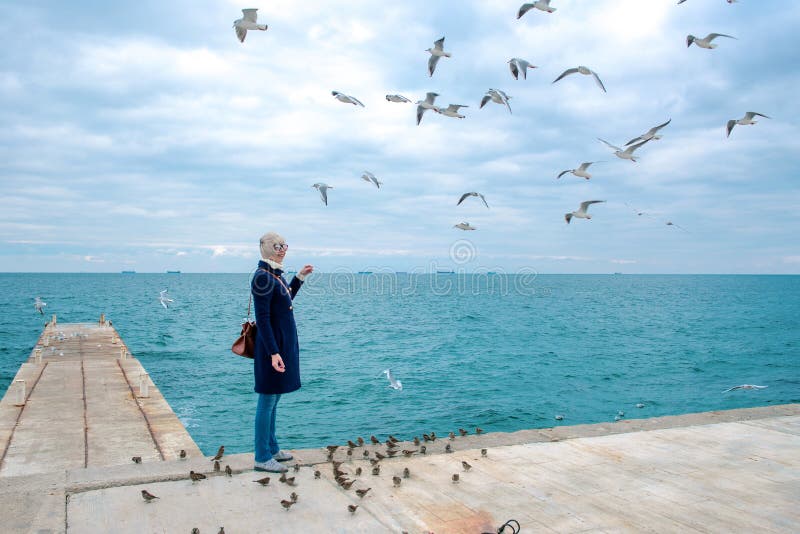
{"x": 374, "y": 440}
{"x": 448, "y": 448}
{"x": 228, "y": 471}
{"x": 394, "y": 439}
{"x": 216, "y": 466}
{"x": 289, "y": 481}
{"x": 330, "y": 456}
{"x": 338, "y": 473}
{"x": 374, "y": 461}
{"x": 182, "y": 454}
{"x": 426, "y": 437}
{"x": 416, "y": 441}
{"x": 196, "y": 476}
{"x": 347, "y": 485}
{"x": 478, "y": 430}
{"x": 466, "y": 466}
{"x": 390, "y": 444}
{"x": 148, "y": 497}
{"x": 408, "y": 452}
{"x": 462, "y": 432}
{"x": 396, "y": 481}
{"x": 351, "y": 444}
{"x": 391, "y": 453}
{"x": 317, "y": 474}
{"x": 484, "y": 452}
{"x": 433, "y": 436}
{"x": 452, "y": 436}
{"x": 341, "y": 479}
{"x": 296, "y": 467}
{"x": 376, "y": 470}
{"x": 379, "y": 456}
{"x": 221, "y": 530}
{"x": 360, "y": 441}
{"x": 286, "y": 504}
{"x": 406, "y": 473}
{"x": 358, "y": 471}
{"x": 336, "y": 465}
{"x": 282, "y": 477}
{"x": 220, "y": 452}
{"x": 332, "y": 448}
{"x": 195, "y": 530}
{"x": 423, "y": 449}
{"x": 352, "y": 508}
{"x": 136, "y": 459}
{"x": 293, "y": 497}
{"x": 349, "y": 454}
{"x": 263, "y": 481}
{"x": 365, "y": 454}
{"x": 455, "y": 478}
{"x": 362, "y": 492}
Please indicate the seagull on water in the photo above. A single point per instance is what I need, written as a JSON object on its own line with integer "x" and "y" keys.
{"x": 369, "y": 177}
{"x": 464, "y": 226}
{"x": 519, "y": 66}
{"x": 247, "y": 22}
{"x": 705, "y": 42}
{"x": 541, "y": 5}
{"x": 581, "y": 212}
{"x": 744, "y": 121}
{"x": 38, "y": 304}
{"x": 341, "y": 97}
{"x": 650, "y": 134}
{"x": 323, "y": 191}
{"x": 424, "y": 105}
{"x": 164, "y": 299}
{"x": 436, "y": 52}
{"x": 393, "y": 382}
{"x": 397, "y": 98}
{"x": 580, "y": 172}
{"x": 497, "y": 96}
{"x": 624, "y": 154}
{"x": 745, "y": 386}
{"x": 586, "y": 71}
{"x": 472, "y": 194}
{"x": 451, "y": 111}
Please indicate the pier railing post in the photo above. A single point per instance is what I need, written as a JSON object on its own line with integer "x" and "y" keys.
{"x": 123, "y": 353}
{"x": 21, "y": 393}
{"x": 144, "y": 385}
{"x": 37, "y": 355}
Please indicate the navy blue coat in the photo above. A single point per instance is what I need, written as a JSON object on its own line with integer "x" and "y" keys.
{"x": 277, "y": 331}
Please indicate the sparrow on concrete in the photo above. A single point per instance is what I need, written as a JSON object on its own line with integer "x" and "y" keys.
{"x": 362, "y": 492}
{"x": 228, "y": 471}
{"x": 317, "y": 474}
{"x": 136, "y": 459}
{"x": 376, "y": 470}
{"x": 407, "y": 452}
{"x": 360, "y": 441}
{"x": 182, "y": 454}
{"x": 462, "y": 432}
{"x": 374, "y": 440}
{"x": 196, "y": 476}
{"x": 148, "y": 497}
{"x": 352, "y": 508}
{"x": 416, "y": 441}
{"x": 293, "y": 497}
{"x": 220, "y": 452}
{"x": 466, "y": 466}
{"x": 263, "y": 481}
{"x": 396, "y": 481}
{"x": 478, "y": 430}
{"x": 452, "y": 436}
{"x": 484, "y": 452}
{"x": 406, "y": 473}
{"x": 351, "y": 444}
{"x": 448, "y": 448}
{"x": 286, "y": 504}
{"x": 216, "y": 466}
{"x": 455, "y": 478}
{"x": 358, "y": 471}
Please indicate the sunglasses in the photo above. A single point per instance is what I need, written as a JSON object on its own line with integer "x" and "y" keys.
{"x": 282, "y": 247}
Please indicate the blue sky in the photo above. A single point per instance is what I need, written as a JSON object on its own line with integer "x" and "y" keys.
{"x": 143, "y": 135}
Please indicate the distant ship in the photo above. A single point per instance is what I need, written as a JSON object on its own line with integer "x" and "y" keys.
{"x": 128, "y": 272}
{"x": 173, "y": 272}
{"x": 617, "y": 273}
{"x": 364, "y": 272}
{"x": 445, "y": 272}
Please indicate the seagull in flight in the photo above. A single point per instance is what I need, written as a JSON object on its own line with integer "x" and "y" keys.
{"x": 745, "y": 386}
{"x": 394, "y": 383}
{"x": 451, "y": 111}
{"x": 624, "y": 154}
{"x": 247, "y": 22}
{"x": 541, "y": 5}
{"x": 341, "y": 97}
{"x": 586, "y": 71}
{"x": 497, "y": 96}
{"x": 397, "y": 98}
{"x": 705, "y": 42}
{"x": 436, "y": 52}
{"x": 744, "y": 121}
{"x": 519, "y": 66}
{"x": 323, "y": 191}
{"x": 424, "y": 105}
{"x": 38, "y": 304}
{"x": 581, "y": 212}
{"x": 651, "y": 134}
{"x": 464, "y": 226}
{"x": 472, "y": 194}
{"x": 164, "y": 299}
{"x": 369, "y": 177}
{"x": 580, "y": 172}
{"x": 729, "y": 1}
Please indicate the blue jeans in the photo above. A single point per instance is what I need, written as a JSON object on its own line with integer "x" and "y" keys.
{"x": 266, "y": 442}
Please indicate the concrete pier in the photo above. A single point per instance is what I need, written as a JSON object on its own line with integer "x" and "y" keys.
{"x": 66, "y": 468}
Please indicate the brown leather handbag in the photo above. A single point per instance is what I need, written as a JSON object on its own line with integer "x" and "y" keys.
{"x": 245, "y": 344}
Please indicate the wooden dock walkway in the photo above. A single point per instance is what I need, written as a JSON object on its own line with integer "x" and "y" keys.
{"x": 66, "y": 447}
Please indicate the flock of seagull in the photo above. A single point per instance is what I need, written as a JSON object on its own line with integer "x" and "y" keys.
{"x": 519, "y": 68}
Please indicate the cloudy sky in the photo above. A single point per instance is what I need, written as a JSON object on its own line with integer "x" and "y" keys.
{"x": 143, "y": 135}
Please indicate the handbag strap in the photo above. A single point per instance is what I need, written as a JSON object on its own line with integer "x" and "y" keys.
{"x": 278, "y": 278}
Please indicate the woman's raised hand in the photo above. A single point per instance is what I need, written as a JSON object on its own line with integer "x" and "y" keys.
{"x": 307, "y": 269}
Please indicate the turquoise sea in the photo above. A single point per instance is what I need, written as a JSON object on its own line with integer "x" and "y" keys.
{"x": 504, "y": 352}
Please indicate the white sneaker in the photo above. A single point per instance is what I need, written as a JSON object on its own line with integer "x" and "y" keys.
{"x": 282, "y": 456}
{"x": 270, "y": 466}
